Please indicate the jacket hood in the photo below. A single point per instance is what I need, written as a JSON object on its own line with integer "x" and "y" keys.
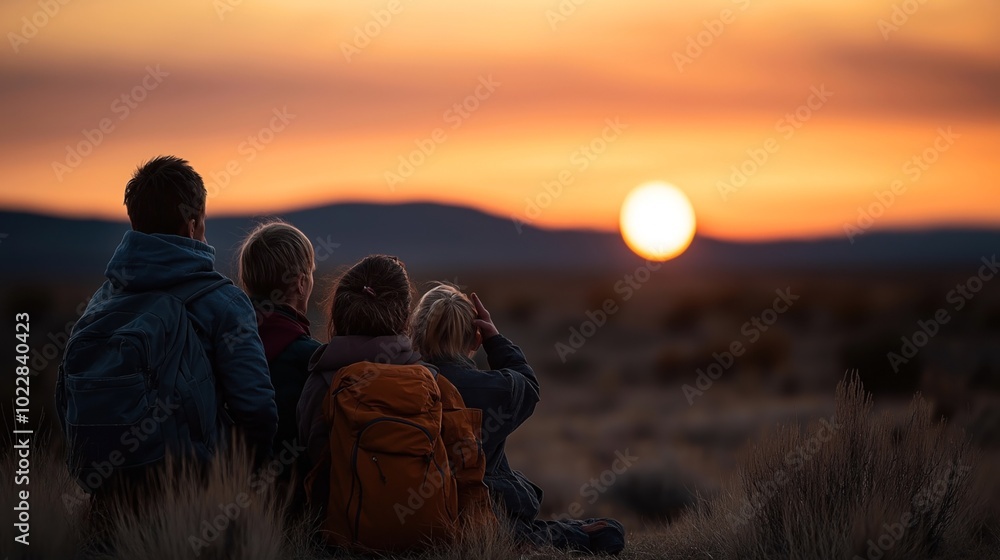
{"x": 343, "y": 351}
{"x": 155, "y": 262}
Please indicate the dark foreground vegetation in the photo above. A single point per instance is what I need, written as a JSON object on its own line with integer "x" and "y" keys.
{"x": 858, "y": 484}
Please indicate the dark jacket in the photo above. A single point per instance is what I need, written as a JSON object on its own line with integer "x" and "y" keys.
{"x": 224, "y": 320}
{"x": 507, "y": 395}
{"x": 288, "y": 346}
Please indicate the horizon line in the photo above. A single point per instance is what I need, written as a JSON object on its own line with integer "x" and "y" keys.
{"x": 926, "y": 228}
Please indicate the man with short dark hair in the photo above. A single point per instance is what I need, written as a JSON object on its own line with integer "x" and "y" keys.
{"x": 167, "y": 357}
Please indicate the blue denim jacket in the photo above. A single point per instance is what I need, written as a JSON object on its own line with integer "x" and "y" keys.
{"x": 224, "y": 318}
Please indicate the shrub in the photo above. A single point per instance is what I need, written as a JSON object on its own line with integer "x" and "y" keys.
{"x": 658, "y": 494}
{"x": 856, "y": 486}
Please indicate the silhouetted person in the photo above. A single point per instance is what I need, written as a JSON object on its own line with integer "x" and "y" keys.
{"x": 448, "y": 328}
{"x": 166, "y": 359}
{"x": 276, "y": 266}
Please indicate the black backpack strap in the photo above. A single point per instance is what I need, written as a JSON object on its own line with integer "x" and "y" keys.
{"x": 190, "y": 291}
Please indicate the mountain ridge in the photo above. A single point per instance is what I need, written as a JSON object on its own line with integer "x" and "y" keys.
{"x": 432, "y": 235}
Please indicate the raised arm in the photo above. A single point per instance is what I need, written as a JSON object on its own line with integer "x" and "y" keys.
{"x": 508, "y": 361}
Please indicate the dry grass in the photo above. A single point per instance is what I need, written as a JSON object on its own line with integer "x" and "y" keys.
{"x": 828, "y": 491}
{"x": 230, "y": 511}
{"x": 56, "y": 530}
{"x": 868, "y": 487}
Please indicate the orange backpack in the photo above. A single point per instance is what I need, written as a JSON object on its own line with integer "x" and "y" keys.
{"x": 405, "y": 461}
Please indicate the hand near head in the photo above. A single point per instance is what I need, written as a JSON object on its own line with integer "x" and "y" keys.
{"x": 483, "y": 322}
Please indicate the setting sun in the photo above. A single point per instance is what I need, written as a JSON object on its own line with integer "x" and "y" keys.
{"x": 657, "y": 221}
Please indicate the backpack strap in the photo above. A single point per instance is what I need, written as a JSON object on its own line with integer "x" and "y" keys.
{"x": 190, "y": 291}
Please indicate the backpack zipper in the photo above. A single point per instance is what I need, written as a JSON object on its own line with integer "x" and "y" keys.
{"x": 354, "y": 461}
{"x": 379, "y": 467}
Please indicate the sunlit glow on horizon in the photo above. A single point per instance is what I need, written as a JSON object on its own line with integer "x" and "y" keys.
{"x": 559, "y": 81}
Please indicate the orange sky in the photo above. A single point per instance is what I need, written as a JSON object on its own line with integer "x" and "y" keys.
{"x": 360, "y": 103}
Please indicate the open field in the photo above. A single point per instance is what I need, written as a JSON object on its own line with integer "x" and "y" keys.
{"x": 858, "y": 484}
{"x": 618, "y": 391}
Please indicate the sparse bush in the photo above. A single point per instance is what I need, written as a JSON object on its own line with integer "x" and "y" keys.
{"x": 660, "y": 494}
{"x": 982, "y": 422}
{"x": 860, "y": 486}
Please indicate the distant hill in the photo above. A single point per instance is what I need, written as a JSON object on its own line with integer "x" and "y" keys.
{"x": 434, "y": 236}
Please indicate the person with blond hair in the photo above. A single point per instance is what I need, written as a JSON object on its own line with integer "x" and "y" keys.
{"x": 448, "y": 329}
{"x": 276, "y": 263}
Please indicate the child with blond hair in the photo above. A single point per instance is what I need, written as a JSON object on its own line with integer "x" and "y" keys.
{"x": 276, "y": 263}
{"x": 448, "y": 329}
